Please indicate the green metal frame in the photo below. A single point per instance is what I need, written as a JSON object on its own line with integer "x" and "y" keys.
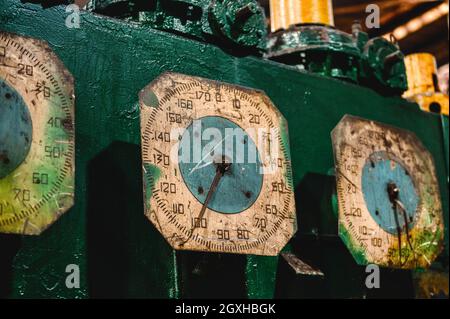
{"x": 106, "y": 233}
{"x": 231, "y": 22}
{"x": 376, "y": 63}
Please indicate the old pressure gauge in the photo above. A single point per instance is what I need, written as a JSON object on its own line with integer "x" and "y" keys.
{"x": 217, "y": 171}
{"x": 390, "y": 211}
{"x": 36, "y": 136}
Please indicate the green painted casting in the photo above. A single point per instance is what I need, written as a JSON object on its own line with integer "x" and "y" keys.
{"x": 119, "y": 252}
{"x": 383, "y": 66}
{"x": 376, "y": 63}
{"x": 241, "y": 21}
{"x": 235, "y": 22}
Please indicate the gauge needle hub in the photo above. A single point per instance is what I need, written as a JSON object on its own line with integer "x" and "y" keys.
{"x": 222, "y": 168}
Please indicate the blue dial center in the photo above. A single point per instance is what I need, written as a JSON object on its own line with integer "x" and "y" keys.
{"x": 205, "y": 144}
{"x": 15, "y": 129}
{"x": 381, "y": 172}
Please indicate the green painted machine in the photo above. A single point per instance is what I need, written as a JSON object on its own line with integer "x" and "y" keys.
{"x": 94, "y": 187}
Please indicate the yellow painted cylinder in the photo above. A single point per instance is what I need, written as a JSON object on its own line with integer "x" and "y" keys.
{"x": 421, "y": 71}
{"x": 285, "y": 13}
{"x": 423, "y": 88}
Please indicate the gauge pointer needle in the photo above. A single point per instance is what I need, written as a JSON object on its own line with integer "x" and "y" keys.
{"x": 222, "y": 168}
{"x": 394, "y": 192}
{"x": 405, "y": 217}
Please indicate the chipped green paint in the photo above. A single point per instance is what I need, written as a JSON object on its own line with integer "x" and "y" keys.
{"x": 153, "y": 174}
{"x": 376, "y": 63}
{"x": 241, "y": 23}
{"x": 112, "y": 61}
{"x": 150, "y": 99}
{"x": 357, "y": 252}
{"x": 261, "y": 276}
{"x": 174, "y": 288}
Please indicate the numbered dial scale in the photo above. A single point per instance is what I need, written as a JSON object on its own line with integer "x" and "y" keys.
{"x": 36, "y": 136}
{"x": 216, "y": 166}
{"x": 390, "y": 210}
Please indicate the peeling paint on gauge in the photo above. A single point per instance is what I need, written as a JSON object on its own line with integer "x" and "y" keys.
{"x": 216, "y": 202}
{"x": 39, "y": 187}
{"x": 390, "y": 210}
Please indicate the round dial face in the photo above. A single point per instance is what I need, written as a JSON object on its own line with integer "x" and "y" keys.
{"x": 36, "y": 136}
{"x": 390, "y": 210}
{"x": 216, "y": 166}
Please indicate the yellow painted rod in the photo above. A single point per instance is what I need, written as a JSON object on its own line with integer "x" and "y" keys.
{"x": 285, "y": 13}
{"x": 421, "y": 72}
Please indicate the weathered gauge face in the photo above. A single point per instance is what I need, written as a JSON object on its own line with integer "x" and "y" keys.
{"x": 216, "y": 166}
{"x": 36, "y": 136}
{"x": 390, "y": 210}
